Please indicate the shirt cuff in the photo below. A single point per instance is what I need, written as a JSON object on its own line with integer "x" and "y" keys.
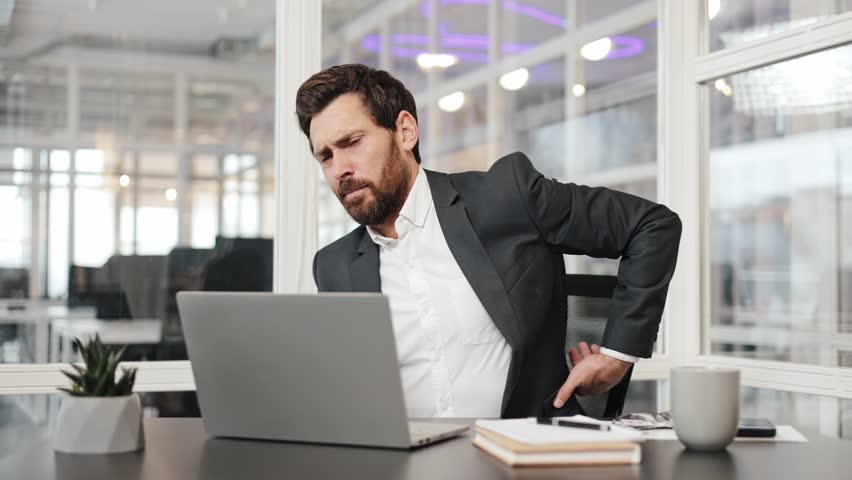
{"x": 621, "y": 356}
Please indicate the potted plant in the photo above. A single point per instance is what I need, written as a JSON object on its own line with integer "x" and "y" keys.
{"x": 99, "y": 414}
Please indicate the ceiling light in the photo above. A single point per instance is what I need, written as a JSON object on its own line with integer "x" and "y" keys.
{"x": 713, "y": 7}
{"x": 722, "y": 86}
{"x": 597, "y": 50}
{"x": 171, "y": 194}
{"x": 432, "y": 61}
{"x": 515, "y": 80}
{"x": 451, "y": 102}
{"x": 124, "y": 181}
{"x": 578, "y": 90}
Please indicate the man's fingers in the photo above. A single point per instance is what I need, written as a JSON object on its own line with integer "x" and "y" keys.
{"x": 574, "y": 355}
{"x": 584, "y": 349}
{"x": 596, "y": 349}
{"x": 564, "y": 393}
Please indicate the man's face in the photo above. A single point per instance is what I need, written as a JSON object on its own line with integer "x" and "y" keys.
{"x": 361, "y": 161}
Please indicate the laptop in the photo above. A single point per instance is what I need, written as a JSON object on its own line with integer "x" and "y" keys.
{"x": 307, "y": 368}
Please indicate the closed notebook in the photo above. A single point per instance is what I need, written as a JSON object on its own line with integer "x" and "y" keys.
{"x": 523, "y": 442}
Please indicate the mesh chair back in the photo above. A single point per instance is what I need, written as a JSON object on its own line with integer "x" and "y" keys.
{"x": 588, "y": 304}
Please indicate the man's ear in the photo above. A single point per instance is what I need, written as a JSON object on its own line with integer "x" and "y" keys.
{"x": 406, "y": 127}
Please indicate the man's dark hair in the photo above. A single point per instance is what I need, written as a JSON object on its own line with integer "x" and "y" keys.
{"x": 382, "y": 94}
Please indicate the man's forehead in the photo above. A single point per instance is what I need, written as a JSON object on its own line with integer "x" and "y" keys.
{"x": 347, "y": 112}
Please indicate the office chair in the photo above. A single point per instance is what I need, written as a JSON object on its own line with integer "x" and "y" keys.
{"x": 588, "y": 303}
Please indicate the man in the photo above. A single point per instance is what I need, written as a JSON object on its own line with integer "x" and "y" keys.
{"x": 472, "y": 262}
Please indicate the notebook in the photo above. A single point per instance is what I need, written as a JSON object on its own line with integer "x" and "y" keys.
{"x": 523, "y": 442}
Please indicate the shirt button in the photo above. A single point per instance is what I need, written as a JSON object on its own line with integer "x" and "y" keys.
{"x": 436, "y": 357}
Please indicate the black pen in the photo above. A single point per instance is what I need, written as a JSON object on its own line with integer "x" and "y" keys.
{"x": 568, "y": 423}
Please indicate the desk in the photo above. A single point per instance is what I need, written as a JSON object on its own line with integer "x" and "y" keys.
{"x": 40, "y": 315}
{"x": 179, "y": 449}
{"x": 139, "y": 331}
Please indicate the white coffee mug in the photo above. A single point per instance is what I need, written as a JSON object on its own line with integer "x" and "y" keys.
{"x": 705, "y": 406}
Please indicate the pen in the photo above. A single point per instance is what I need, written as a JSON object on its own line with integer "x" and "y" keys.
{"x": 568, "y": 423}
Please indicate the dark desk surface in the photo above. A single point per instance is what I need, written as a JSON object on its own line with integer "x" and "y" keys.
{"x": 179, "y": 449}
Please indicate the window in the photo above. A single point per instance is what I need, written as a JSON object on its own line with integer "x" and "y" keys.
{"x": 780, "y": 210}
{"x": 753, "y": 128}
{"x": 736, "y": 22}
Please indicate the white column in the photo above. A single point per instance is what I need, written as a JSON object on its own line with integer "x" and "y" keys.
{"x": 433, "y": 121}
{"x": 494, "y": 112}
{"x": 385, "y": 62}
{"x": 35, "y": 225}
{"x": 184, "y": 206}
{"x": 119, "y": 201}
{"x": 181, "y": 108}
{"x": 73, "y": 124}
{"x": 679, "y": 165}
{"x": 134, "y": 185}
{"x": 299, "y": 38}
{"x": 45, "y": 245}
{"x": 181, "y": 123}
{"x": 573, "y": 107}
{"x": 72, "y": 111}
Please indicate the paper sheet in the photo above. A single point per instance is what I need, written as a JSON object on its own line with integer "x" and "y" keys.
{"x": 783, "y": 433}
{"x": 526, "y": 430}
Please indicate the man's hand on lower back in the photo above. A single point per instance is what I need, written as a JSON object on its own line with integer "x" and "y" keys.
{"x": 593, "y": 373}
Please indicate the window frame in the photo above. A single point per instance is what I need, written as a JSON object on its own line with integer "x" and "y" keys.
{"x": 685, "y": 146}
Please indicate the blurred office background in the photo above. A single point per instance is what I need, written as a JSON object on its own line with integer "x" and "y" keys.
{"x": 137, "y": 160}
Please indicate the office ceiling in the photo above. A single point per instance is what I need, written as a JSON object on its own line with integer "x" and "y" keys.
{"x": 169, "y": 26}
{"x": 195, "y": 27}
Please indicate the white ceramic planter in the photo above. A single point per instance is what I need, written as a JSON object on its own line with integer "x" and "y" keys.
{"x": 99, "y": 425}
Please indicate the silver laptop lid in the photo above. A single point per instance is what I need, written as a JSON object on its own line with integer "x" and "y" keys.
{"x": 313, "y": 368}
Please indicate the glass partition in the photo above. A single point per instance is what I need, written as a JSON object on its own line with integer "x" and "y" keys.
{"x": 113, "y": 178}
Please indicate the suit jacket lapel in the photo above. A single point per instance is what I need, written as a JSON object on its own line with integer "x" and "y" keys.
{"x": 364, "y": 269}
{"x": 471, "y": 255}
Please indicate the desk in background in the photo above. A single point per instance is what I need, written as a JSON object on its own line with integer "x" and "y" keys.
{"x": 139, "y": 331}
{"x": 179, "y": 449}
{"x": 39, "y": 316}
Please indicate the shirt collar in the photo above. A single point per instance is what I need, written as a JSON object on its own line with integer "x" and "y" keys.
{"x": 413, "y": 213}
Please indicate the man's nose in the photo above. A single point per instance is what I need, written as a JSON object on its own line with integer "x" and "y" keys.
{"x": 343, "y": 167}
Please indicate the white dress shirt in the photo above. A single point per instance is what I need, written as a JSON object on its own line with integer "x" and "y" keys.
{"x": 453, "y": 361}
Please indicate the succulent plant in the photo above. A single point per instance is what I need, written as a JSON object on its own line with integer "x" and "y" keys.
{"x": 97, "y": 378}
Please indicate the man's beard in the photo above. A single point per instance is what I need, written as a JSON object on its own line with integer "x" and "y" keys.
{"x": 387, "y": 197}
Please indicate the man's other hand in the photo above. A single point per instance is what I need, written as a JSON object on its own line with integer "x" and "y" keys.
{"x": 593, "y": 373}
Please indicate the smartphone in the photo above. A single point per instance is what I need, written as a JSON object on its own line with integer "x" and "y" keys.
{"x": 755, "y": 427}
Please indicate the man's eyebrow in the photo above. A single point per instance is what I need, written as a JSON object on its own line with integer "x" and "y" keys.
{"x": 341, "y": 141}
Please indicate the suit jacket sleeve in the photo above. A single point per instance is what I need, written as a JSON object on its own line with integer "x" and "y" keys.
{"x": 600, "y": 222}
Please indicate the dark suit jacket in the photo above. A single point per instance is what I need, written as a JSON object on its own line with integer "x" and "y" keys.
{"x": 508, "y": 229}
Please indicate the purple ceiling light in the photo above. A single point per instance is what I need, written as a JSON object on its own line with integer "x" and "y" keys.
{"x": 624, "y": 46}
{"x": 405, "y": 45}
{"x": 526, "y": 10}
